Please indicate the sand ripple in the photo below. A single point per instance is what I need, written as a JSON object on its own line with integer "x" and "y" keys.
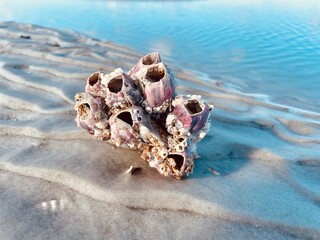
{"x": 258, "y": 176}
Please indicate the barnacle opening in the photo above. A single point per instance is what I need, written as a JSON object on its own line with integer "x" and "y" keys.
{"x": 85, "y": 106}
{"x": 78, "y": 97}
{"x": 179, "y": 159}
{"x": 126, "y": 117}
{"x": 155, "y": 74}
{"x": 150, "y": 59}
{"x": 193, "y": 107}
{"x": 180, "y": 148}
{"x": 115, "y": 84}
{"x": 93, "y": 79}
{"x": 84, "y": 109}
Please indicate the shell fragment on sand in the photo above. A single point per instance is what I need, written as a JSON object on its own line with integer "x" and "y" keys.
{"x": 140, "y": 110}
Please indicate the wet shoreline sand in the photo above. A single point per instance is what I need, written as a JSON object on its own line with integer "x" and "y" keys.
{"x": 257, "y": 176}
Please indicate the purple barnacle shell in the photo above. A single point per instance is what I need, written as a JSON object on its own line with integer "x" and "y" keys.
{"x": 158, "y": 88}
{"x": 190, "y": 114}
{"x": 120, "y": 90}
{"x": 124, "y": 126}
{"x": 148, "y": 132}
{"x": 144, "y": 63}
{"x": 88, "y": 111}
{"x": 137, "y": 110}
{"x": 93, "y": 85}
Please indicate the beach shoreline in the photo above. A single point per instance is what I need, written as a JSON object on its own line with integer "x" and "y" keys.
{"x": 256, "y": 177}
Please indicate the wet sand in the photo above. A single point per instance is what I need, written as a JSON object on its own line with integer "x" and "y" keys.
{"x": 258, "y": 176}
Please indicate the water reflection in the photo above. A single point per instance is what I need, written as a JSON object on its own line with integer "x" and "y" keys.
{"x": 270, "y": 47}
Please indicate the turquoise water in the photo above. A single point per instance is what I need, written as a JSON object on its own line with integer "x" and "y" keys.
{"x": 261, "y": 47}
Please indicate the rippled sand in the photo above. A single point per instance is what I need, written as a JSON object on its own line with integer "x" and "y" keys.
{"x": 258, "y": 177}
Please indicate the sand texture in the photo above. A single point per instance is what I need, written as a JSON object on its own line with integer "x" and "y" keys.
{"x": 258, "y": 178}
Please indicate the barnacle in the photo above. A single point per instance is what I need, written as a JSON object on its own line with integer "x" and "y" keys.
{"x": 156, "y": 82}
{"x": 90, "y": 113}
{"x": 139, "y": 110}
{"x": 120, "y": 91}
{"x": 190, "y": 116}
{"x": 123, "y": 128}
{"x": 142, "y": 66}
{"x": 93, "y": 85}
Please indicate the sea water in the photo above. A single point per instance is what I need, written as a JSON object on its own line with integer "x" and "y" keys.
{"x": 259, "y": 47}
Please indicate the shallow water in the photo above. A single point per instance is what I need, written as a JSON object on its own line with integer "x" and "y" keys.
{"x": 261, "y": 47}
{"x": 257, "y": 177}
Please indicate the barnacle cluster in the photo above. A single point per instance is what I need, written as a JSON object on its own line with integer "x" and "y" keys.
{"x": 139, "y": 109}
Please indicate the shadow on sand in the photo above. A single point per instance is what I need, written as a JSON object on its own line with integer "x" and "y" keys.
{"x": 220, "y": 159}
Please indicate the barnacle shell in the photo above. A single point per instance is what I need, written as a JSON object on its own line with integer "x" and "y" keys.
{"x": 89, "y": 112}
{"x": 190, "y": 115}
{"x": 174, "y": 164}
{"x": 179, "y": 163}
{"x": 158, "y": 88}
{"x": 155, "y": 80}
{"x": 141, "y": 68}
{"x": 120, "y": 90}
{"x": 124, "y": 126}
{"x": 136, "y": 110}
{"x": 93, "y": 85}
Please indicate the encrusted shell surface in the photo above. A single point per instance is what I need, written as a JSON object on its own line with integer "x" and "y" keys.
{"x": 175, "y": 164}
{"x": 158, "y": 86}
{"x": 180, "y": 163}
{"x": 141, "y": 68}
{"x": 93, "y": 85}
{"x": 90, "y": 114}
{"x": 120, "y": 91}
{"x": 156, "y": 81}
{"x": 124, "y": 126}
{"x": 136, "y": 110}
{"x": 190, "y": 115}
